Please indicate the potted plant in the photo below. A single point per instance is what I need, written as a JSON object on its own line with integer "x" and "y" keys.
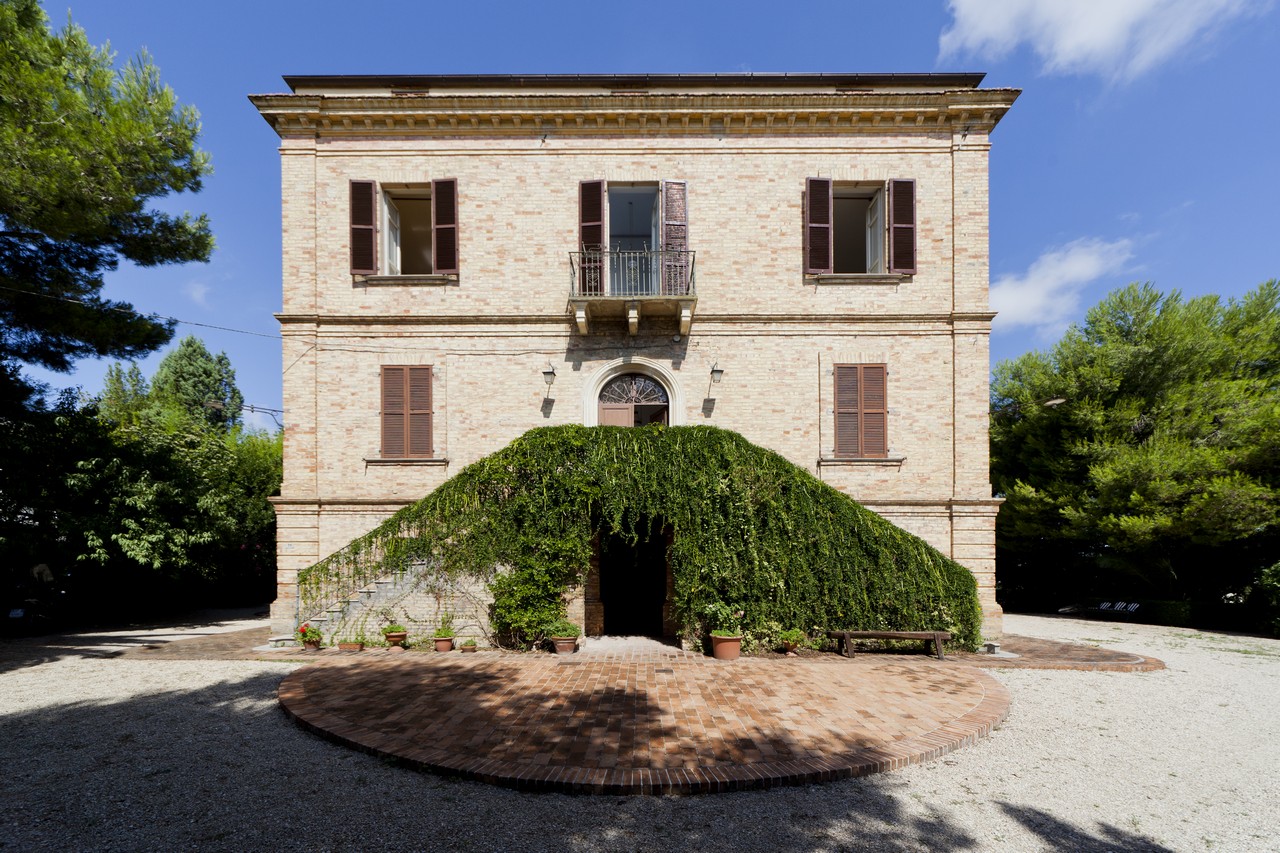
{"x": 791, "y": 640}
{"x": 469, "y": 645}
{"x": 563, "y": 635}
{"x": 726, "y": 631}
{"x": 309, "y": 636}
{"x": 356, "y": 645}
{"x": 395, "y": 634}
{"x": 444, "y": 634}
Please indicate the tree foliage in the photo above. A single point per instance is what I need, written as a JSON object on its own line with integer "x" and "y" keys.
{"x": 199, "y": 383}
{"x": 751, "y": 532}
{"x": 1159, "y": 474}
{"x": 136, "y": 503}
{"x": 84, "y": 150}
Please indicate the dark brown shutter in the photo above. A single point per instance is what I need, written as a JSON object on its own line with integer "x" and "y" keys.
{"x": 818, "y": 210}
{"x": 847, "y": 433}
{"x": 591, "y": 236}
{"x": 444, "y": 226}
{"x": 861, "y": 411}
{"x": 591, "y": 214}
{"x": 902, "y": 227}
{"x": 675, "y": 238}
{"x": 393, "y": 412}
{"x": 418, "y": 435}
{"x": 875, "y": 438}
{"x": 364, "y": 217}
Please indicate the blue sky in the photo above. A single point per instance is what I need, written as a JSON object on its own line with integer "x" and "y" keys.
{"x": 1145, "y": 146}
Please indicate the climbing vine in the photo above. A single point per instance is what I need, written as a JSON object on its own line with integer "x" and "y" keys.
{"x": 751, "y": 532}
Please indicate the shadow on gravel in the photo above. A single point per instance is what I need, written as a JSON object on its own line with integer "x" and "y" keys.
{"x": 1060, "y": 835}
{"x": 221, "y": 767}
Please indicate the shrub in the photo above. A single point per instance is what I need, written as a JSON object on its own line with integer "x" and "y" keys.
{"x": 751, "y": 533}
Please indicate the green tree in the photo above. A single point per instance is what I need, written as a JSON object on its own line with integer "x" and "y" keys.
{"x": 1159, "y": 474}
{"x": 201, "y": 384}
{"x": 84, "y": 149}
{"x": 125, "y": 394}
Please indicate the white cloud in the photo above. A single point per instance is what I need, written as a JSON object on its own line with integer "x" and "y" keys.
{"x": 1117, "y": 39}
{"x": 1047, "y": 296}
{"x": 197, "y": 292}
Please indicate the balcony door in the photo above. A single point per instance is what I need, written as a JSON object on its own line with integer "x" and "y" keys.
{"x": 632, "y": 400}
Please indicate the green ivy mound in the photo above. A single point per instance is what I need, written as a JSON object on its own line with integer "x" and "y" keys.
{"x": 751, "y": 532}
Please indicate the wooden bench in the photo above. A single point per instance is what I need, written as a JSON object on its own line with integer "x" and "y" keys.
{"x": 846, "y": 638}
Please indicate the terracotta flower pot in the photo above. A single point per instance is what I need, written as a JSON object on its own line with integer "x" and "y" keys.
{"x": 396, "y": 638}
{"x": 351, "y": 647}
{"x": 311, "y": 645}
{"x": 565, "y": 645}
{"x": 468, "y": 648}
{"x": 444, "y": 644}
{"x": 726, "y": 648}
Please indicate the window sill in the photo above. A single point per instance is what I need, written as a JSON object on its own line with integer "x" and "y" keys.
{"x": 404, "y": 280}
{"x": 862, "y": 461}
{"x": 407, "y": 460}
{"x": 863, "y": 279}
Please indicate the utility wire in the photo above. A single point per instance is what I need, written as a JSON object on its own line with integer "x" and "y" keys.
{"x": 74, "y": 301}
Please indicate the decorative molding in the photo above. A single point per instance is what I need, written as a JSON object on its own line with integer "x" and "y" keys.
{"x": 845, "y": 319}
{"x": 633, "y": 364}
{"x": 403, "y": 280}
{"x": 410, "y": 460}
{"x": 860, "y": 279}
{"x": 947, "y": 503}
{"x": 861, "y": 462}
{"x": 943, "y": 112}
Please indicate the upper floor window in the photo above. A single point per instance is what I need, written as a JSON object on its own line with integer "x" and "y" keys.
{"x": 633, "y": 238}
{"x": 404, "y": 229}
{"x": 857, "y": 227}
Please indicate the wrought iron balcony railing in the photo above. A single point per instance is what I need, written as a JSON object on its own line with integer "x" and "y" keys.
{"x": 627, "y": 274}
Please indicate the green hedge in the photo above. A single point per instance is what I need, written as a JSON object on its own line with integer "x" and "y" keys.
{"x": 752, "y": 532}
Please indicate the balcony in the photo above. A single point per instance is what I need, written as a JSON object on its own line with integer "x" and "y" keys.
{"x": 629, "y": 284}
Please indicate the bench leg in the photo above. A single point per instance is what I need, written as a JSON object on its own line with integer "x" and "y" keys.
{"x": 937, "y": 646}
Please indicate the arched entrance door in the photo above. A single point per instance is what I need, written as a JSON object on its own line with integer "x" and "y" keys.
{"x": 632, "y": 400}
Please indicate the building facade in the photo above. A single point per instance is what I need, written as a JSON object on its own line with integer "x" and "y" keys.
{"x": 800, "y": 258}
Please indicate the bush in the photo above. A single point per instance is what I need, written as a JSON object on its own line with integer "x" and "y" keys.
{"x": 751, "y": 534}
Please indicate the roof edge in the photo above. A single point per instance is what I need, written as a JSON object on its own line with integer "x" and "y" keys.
{"x": 960, "y": 80}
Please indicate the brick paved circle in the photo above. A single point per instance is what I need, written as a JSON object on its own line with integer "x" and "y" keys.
{"x": 671, "y": 724}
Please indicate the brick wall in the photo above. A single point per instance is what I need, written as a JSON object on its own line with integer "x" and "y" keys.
{"x": 775, "y": 333}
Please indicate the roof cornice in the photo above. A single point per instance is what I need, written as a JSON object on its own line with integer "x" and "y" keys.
{"x": 633, "y": 82}
{"x": 650, "y": 114}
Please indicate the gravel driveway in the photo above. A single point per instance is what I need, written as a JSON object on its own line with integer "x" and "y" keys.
{"x": 104, "y": 753}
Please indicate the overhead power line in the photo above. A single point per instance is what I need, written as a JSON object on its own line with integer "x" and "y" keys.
{"x": 136, "y": 314}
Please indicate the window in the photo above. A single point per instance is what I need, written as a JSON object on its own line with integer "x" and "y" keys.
{"x": 861, "y": 411}
{"x": 418, "y": 225}
{"x": 634, "y": 238}
{"x": 845, "y": 230}
{"x": 632, "y": 400}
{"x": 406, "y": 412}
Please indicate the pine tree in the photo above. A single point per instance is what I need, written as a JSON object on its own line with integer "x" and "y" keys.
{"x": 198, "y": 383}
{"x": 84, "y": 149}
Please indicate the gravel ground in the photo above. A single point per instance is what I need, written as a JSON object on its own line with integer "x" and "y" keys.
{"x": 126, "y": 754}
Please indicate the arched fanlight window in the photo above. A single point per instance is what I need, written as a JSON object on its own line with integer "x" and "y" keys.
{"x": 633, "y": 388}
{"x": 633, "y": 399}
